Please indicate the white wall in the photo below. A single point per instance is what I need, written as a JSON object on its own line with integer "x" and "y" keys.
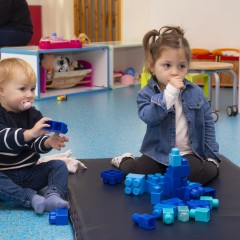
{"x": 135, "y": 19}
{"x": 35, "y": 2}
{"x": 208, "y": 23}
{"x": 57, "y": 16}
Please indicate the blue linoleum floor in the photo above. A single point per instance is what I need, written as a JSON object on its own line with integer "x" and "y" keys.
{"x": 102, "y": 125}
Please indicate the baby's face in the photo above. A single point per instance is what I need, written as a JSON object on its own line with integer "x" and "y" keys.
{"x": 172, "y": 64}
{"x": 18, "y": 93}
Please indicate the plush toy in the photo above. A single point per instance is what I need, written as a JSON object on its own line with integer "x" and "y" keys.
{"x": 48, "y": 64}
{"x": 84, "y": 39}
{"x": 76, "y": 66}
{"x": 61, "y": 64}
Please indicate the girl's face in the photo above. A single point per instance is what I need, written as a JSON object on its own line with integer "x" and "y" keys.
{"x": 17, "y": 93}
{"x": 172, "y": 63}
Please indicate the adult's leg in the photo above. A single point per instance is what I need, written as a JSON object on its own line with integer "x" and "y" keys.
{"x": 201, "y": 171}
{"x": 141, "y": 165}
{"x": 10, "y": 36}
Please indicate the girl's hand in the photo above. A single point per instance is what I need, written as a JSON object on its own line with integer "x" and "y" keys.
{"x": 176, "y": 82}
{"x": 56, "y": 141}
{"x": 37, "y": 130}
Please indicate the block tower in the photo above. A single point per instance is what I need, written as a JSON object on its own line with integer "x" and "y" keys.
{"x": 175, "y": 178}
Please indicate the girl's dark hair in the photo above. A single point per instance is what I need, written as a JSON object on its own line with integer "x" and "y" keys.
{"x": 155, "y": 42}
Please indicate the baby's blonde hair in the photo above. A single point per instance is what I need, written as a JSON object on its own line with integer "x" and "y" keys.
{"x": 9, "y": 67}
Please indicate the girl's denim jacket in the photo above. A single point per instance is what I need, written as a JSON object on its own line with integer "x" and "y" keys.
{"x": 160, "y": 135}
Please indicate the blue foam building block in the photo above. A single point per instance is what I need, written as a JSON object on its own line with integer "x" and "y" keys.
{"x": 168, "y": 215}
{"x": 58, "y": 127}
{"x": 158, "y": 209}
{"x": 175, "y": 159}
{"x": 134, "y": 184}
{"x": 145, "y": 221}
{"x": 200, "y": 214}
{"x": 192, "y": 204}
{"x": 174, "y": 201}
{"x": 59, "y": 216}
{"x": 194, "y": 191}
{"x": 210, "y": 192}
{"x": 112, "y": 176}
{"x": 183, "y": 213}
{"x": 214, "y": 202}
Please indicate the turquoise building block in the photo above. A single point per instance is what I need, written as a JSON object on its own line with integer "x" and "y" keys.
{"x": 158, "y": 209}
{"x": 200, "y": 214}
{"x": 214, "y": 202}
{"x": 183, "y": 213}
{"x": 175, "y": 159}
{"x": 168, "y": 215}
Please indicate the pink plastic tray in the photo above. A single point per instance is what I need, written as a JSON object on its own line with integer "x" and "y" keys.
{"x": 47, "y": 43}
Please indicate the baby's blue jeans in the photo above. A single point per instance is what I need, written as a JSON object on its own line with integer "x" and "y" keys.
{"x": 20, "y": 185}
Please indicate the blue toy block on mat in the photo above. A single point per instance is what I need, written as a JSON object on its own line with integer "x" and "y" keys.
{"x": 146, "y": 221}
{"x": 175, "y": 159}
{"x": 174, "y": 201}
{"x": 59, "y": 216}
{"x": 168, "y": 215}
{"x": 112, "y": 176}
{"x": 158, "y": 209}
{"x": 58, "y": 127}
{"x": 194, "y": 191}
{"x": 183, "y": 213}
{"x": 214, "y": 202}
{"x": 134, "y": 184}
{"x": 198, "y": 203}
{"x": 200, "y": 214}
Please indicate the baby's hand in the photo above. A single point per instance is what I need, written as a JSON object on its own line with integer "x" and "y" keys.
{"x": 56, "y": 141}
{"x": 37, "y": 130}
{"x": 176, "y": 82}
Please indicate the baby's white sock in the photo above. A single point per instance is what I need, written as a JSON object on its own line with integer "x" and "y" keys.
{"x": 54, "y": 201}
{"x": 38, "y": 203}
